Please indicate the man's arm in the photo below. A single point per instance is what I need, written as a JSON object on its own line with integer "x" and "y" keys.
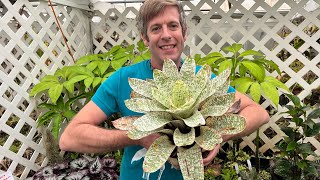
{"x": 83, "y": 133}
{"x": 254, "y": 114}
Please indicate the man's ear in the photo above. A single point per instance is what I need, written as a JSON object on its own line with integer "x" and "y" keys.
{"x": 145, "y": 39}
{"x": 185, "y": 34}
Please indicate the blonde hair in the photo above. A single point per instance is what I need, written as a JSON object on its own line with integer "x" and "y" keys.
{"x": 152, "y": 8}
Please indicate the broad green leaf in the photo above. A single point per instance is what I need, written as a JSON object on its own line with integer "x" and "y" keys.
{"x": 69, "y": 86}
{"x": 108, "y": 74}
{"x": 255, "y": 91}
{"x": 55, "y": 92}
{"x": 158, "y": 154}
{"x": 276, "y": 83}
{"x": 239, "y": 81}
{"x": 103, "y": 66}
{"x": 41, "y": 87}
{"x": 56, "y": 123}
{"x": 255, "y": 70}
{"x": 244, "y": 86}
{"x": 271, "y": 92}
{"x": 76, "y": 79}
{"x": 311, "y": 168}
{"x": 143, "y": 105}
{"x": 117, "y": 64}
{"x": 88, "y": 81}
{"x": 69, "y": 114}
{"x": 141, "y": 87}
{"x": 92, "y": 65}
{"x": 250, "y": 53}
{"x": 292, "y": 145}
{"x": 141, "y": 47}
{"x": 208, "y": 138}
{"x": 215, "y": 54}
{"x": 295, "y": 99}
{"x": 49, "y": 78}
{"x": 46, "y": 117}
{"x": 227, "y": 64}
{"x": 233, "y": 48}
{"x": 305, "y": 148}
{"x": 242, "y": 70}
{"x": 83, "y": 71}
{"x": 183, "y": 139}
{"x": 75, "y": 98}
{"x": 226, "y": 124}
{"x": 190, "y": 162}
{"x": 48, "y": 106}
{"x": 271, "y": 63}
{"x": 152, "y": 121}
{"x": 314, "y": 114}
{"x": 96, "y": 81}
{"x": 283, "y": 168}
{"x": 125, "y": 123}
{"x": 195, "y": 120}
{"x": 87, "y": 59}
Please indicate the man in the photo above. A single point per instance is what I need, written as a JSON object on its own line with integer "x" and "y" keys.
{"x": 162, "y": 24}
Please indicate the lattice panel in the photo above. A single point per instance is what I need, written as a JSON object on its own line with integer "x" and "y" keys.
{"x": 31, "y": 46}
{"x": 271, "y": 27}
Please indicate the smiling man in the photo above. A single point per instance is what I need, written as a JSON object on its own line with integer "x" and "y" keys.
{"x": 162, "y": 24}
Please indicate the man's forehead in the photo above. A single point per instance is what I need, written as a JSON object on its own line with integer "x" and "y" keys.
{"x": 164, "y": 17}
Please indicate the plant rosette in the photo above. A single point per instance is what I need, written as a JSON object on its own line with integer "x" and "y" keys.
{"x": 189, "y": 110}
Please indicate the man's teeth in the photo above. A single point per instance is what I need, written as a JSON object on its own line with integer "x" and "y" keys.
{"x": 167, "y": 47}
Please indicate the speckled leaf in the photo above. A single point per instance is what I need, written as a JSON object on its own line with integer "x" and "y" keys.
{"x": 157, "y": 154}
{"x": 134, "y": 94}
{"x": 190, "y": 162}
{"x": 183, "y": 139}
{"x": 136, "y": 134}
{"x": 170, "y": 68}
{"x": 141, "y": 87}
{"x": 226, "y": 124}
{"x": 217, "y": 105}
{"x": 152, "y": 121}
{"x": 214, "y": 111}
{"x": 208, "y": 138}
{"x": 222, "y": 77}
{"x": 180, "y": 94}
{"x": 195, "y": 120}
{"x": 199, "y": 82}
{"x": 162, "y": 81}
{"x": 161, "y": 97}
{"x": 222, "y": 89}
{"x": 188, "y": 68}
{"x": 143, "y": 105}
{"x": 124, "y": 123}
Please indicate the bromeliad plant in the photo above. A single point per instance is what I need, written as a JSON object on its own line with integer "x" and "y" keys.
{"x": 189, "y": 110}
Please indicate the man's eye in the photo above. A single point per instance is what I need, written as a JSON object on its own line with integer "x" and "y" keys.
{"x": 155, "y": 29}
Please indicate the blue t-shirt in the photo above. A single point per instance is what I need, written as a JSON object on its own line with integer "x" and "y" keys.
{"x": 110, "y": 98}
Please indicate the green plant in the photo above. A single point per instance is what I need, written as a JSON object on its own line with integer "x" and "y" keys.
{"x": 294, "y": 149}
{"x": 248, "y": 75}
{"x": 69, "y": 88}
{"x": 189, "y": 110}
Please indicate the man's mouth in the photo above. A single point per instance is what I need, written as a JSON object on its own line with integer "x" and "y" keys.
{"x": 167, "y": 47}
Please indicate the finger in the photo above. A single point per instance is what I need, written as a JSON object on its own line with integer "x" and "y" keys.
{"x": 211, "y": 155}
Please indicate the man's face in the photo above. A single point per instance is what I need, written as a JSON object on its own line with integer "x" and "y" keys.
{"x": 165, "y": 38}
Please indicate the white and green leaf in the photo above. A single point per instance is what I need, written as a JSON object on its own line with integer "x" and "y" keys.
{"x": 152, "y": 121}
{"x": 142, "y": 87}
{"x": 125, "y": 123}
{"x": 195, "y": 120}
{"x": 208, "y": 138}
{"x": 183, "y": 139}
{"x": 226, "y": 124}
{"x": 143, "y": 105}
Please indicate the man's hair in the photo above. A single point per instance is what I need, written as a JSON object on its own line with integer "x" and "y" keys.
{"x": 152, "y": 8}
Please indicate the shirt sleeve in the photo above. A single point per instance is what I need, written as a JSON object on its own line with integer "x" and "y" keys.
{"x": 106, "y": 95}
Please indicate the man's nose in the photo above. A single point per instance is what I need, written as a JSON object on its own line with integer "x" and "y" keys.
{"x": 166, "y": 35}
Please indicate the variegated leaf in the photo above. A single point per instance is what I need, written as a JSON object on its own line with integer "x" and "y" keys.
{"x": 162, "y": 81}
{"x": 157, "y": 154}
{"x": 222, "y": 77}
{"x": 214, "y": 111}
{"x": 141, "y": 87}
{"x": 143, "y": 105}
{"x": 188, "y": 68}
{"x": 195, "y": 120}
{"x": 190, "y": 162}
{"x": 208, "y": 138}
{"x": 226, "y": 124}
{"x": 180, "y": 94}
{"x": 124, "y": 123}
{"x": 162, "y": 97}
{"x": 222, "y": 89}
{"x": 170, "y": 68}
{"x": 134, "y": 94}
{"x": 152, "y": 121}
{"x": 136, "y": 134}
{"x": 223, "y": 100}
{"x": 183, "y": 139}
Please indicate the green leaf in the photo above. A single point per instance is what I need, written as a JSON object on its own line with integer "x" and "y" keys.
{"x": 55, "y": 92}
{"x": 271, "y": 92}
{"x": 255, "y": 70}
{"x": 306, "y": 148}
{"x": 117, "y": 64}
{"x": 295, "y": 99}
{"x": 69, "y": 114}
{"x": 292, "y": 145}
{"x": 276, "y": 83}
{"x": 103, "y": 66}
{"x": 41, "y": 87}
{"x": 283, "y": 168}
{"x": 88, "y": 81}
{"x": 271, "y": 63}
{"x": 76, "y": 79}
{"x": 50, "y": 78}
{"x": 86, "y": 59}
{"x": 183, "y": 139}
{"x": 289, "y": 132}
{"x": 157, "y": 154}
{"x": 246, "y": 82}
{"x": 312, "y": 132}
{"x": 242, "y": 70}
{"x": 227, "y": 64}
{"x": 48, "y": 106}
{"x": 96, "y": 81}
{"x": 250, "y": 52}
{"x": 233, "y": 48}
{"x": 46, "y": 117}
{"x": 152, "y": 121}
{"x": 255, "y": 91}
{"x": 56, "y": 123}
{"x": 190, "y": 162}
{"x": 83, "y": 71}
{"x": 93, "y": 65}
{"x": 69, "y": 86}
{"x": 314, "y": 114}
{"x": 239, "y": 81}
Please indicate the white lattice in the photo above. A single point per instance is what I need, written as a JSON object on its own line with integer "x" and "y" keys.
{"x": 31, "y": 46}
